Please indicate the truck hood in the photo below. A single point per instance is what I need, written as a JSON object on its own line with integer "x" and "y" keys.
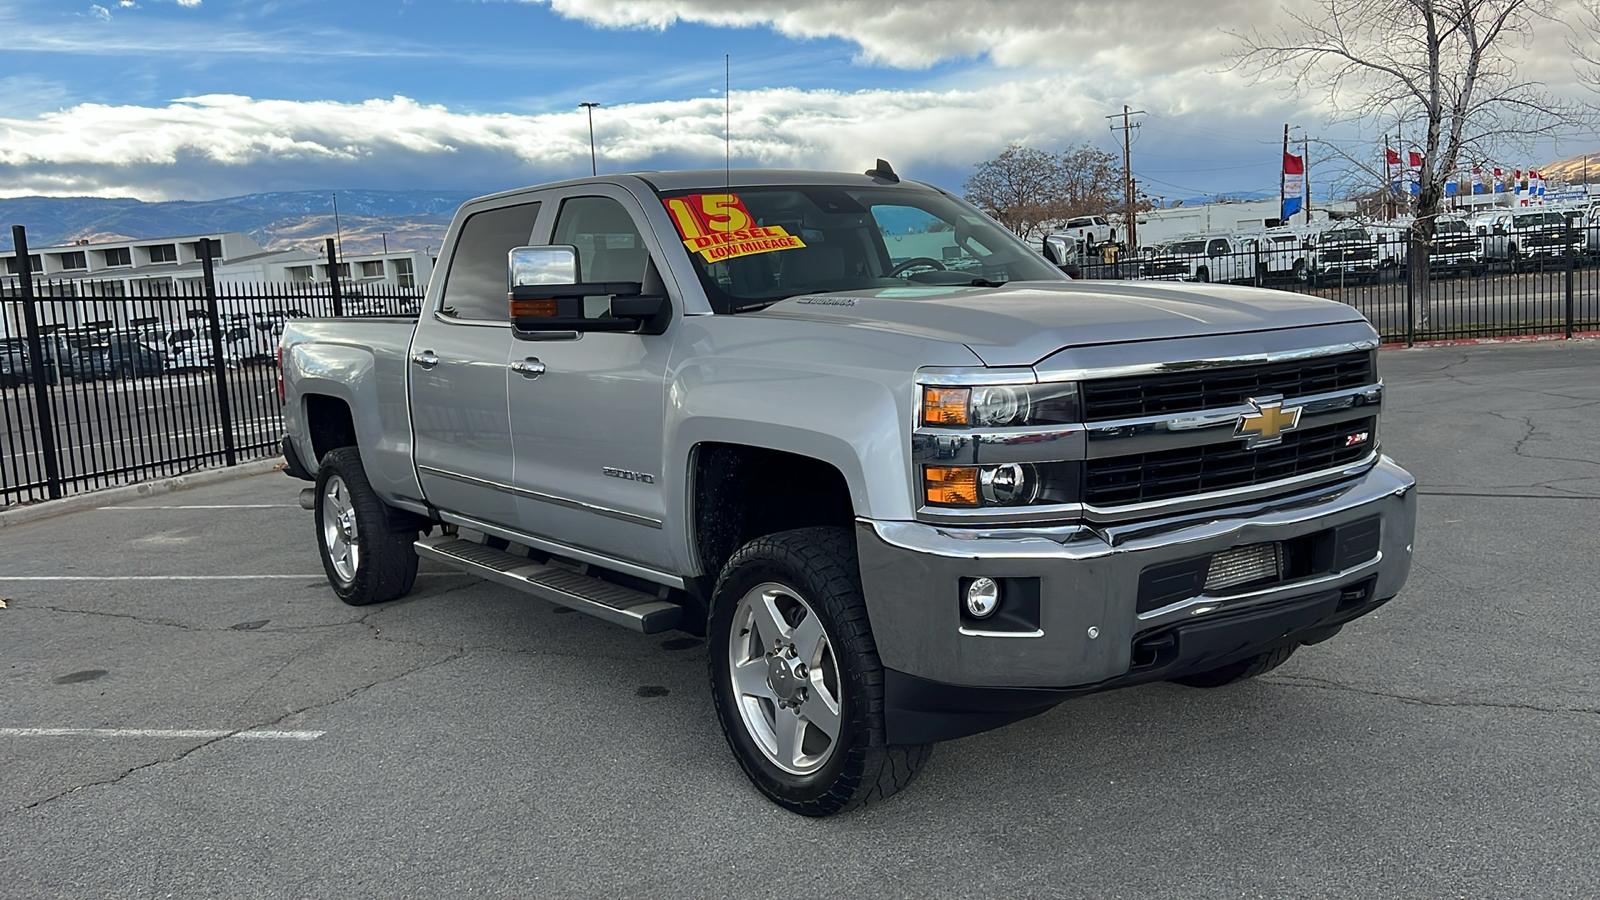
{"x": 1021, "y": 324}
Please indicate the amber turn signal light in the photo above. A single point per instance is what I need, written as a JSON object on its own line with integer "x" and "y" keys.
{"x": 950, "y": 485}
{"x": 944, "y": 406}
{"x": 533, "y": 309}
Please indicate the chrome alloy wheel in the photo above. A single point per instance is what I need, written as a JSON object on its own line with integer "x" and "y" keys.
{"x": 785, "y": 678}
{"x": 339, "y": 532}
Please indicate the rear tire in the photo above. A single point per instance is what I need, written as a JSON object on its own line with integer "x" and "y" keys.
{"x": 1246, "y": 668}
{"x": 366, "y": 546}
{"x": 792, "y": 658}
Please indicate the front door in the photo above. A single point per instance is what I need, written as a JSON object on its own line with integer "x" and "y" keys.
{"x": 587, "y": 412}
{"x": 458, "y": 374}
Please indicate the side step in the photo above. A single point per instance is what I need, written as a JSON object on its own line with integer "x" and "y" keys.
{"x": 584, "y": 593}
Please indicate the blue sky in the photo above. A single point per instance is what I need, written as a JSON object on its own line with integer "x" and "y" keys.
{"x": 196, "y": 99}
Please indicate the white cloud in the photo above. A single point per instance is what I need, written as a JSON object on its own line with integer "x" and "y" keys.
{"x": 1082, "y": 35}
{"x": 188, "y": 2}
{"x": 218, "y": 145}
{"x": 97, "y": 11}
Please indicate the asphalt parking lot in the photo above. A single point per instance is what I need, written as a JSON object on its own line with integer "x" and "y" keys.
{"x": 187, "y": 711}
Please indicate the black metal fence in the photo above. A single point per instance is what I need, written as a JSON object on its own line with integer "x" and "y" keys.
{"x": 1517, "y": 283}
{"x": 116, "y": 382}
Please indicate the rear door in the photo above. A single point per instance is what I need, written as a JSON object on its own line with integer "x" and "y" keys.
{"x": 462, "y": 429}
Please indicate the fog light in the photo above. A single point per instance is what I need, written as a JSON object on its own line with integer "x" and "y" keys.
{"x": 983, "y": 597}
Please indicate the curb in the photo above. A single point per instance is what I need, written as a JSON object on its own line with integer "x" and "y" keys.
{"x": 1508, "y": 339}
{"x": 109, "y": 496}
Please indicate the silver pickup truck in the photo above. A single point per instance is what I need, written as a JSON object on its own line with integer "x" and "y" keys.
{"x": 906, "y": 498}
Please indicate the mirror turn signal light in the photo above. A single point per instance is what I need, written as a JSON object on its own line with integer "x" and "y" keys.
{"x": 534, "y": 309}
{"x": 944, "y": 405}
{"x": 950, "y": 485}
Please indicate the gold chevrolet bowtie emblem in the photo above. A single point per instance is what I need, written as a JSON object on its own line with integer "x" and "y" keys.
{"x": 1265, "y": 426}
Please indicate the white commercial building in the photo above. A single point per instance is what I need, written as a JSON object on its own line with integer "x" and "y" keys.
{"x": 136, "y": 267}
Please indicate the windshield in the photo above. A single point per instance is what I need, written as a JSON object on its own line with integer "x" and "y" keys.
{"x": 763, "y": 244}
{"x": 1345, "y": 235}
{"x": 1533, "y": 220}
{"x": 1443, "y": 227}
{"x": 1185, "y": 248}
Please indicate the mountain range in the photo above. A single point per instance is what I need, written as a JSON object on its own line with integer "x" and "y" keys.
{"x": 368, "y": 221}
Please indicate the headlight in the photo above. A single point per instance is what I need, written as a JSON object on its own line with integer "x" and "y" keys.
{"x": 1002, "y": 485}
{"x": 1000, "y": 406}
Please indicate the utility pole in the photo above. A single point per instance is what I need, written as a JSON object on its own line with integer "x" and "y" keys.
{"x": 385, "y": 236}
{"x": 1127, "y": 128}
{"x": 593, "y": 169}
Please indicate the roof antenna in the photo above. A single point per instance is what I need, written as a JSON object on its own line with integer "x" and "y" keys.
{"x": 885, "y": 171}
{"x": 727, "y": 121}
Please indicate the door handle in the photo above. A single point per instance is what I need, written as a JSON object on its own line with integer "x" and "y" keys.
{"x": 530, "y": 368}
{"x": 425, "y": 359}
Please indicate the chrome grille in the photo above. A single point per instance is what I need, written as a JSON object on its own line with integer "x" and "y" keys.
{"x": 1198, "y": 390}
{"x": 1190, "y": 471}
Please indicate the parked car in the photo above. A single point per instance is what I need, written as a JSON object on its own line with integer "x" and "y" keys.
{"x": 119, "y": 356}
{"x": 1284, "y": 254}
{"x": 1346, "y": 254}
{"x": 1202, "y": 258}
{"x": 1510, "y": 236}
{"x": 1092, "y": 230}
{"x": 903, "y": 502}
{"x": 1456, "y": 247}
{"x": 15, "y": 367}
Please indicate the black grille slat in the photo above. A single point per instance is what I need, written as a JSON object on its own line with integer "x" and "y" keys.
{"x": 1187, "y": 471}
{"x": 1182, "y": 392}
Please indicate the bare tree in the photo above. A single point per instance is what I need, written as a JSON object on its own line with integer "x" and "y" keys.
{"x": 1021, "y": 188}
{"x": 1091, "y": 182}
{"x": 1026, "y": 188}
{"x": 1441, "y": 68}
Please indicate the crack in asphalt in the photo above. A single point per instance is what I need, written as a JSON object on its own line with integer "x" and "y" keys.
{"x": 143, "y": 620}
{"x": 348, "y": 695}
{"x": 1307, "y": 681}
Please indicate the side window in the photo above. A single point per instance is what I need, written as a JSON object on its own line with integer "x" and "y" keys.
{"x": 1218, "y": 247}
{"x": 475, "y": 287}
{"x": 610, "y": 247}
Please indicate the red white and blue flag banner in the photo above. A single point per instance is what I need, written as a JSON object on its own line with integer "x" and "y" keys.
{"x": 1499, "y": 180}
{"x": 1294, "y": 184}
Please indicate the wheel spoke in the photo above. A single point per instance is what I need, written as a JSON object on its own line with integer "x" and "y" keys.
{"x": 750, "y": 679}
{"x": 809, "y": 640}
{"x": 821, "y": 710}
{"x": 770, "y": 626}
{"x": 790, "y": 731}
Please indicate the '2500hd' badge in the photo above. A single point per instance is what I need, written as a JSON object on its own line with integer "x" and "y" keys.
{"x": 626, "y": 475}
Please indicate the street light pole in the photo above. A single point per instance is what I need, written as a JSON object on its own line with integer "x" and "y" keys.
{"x": 593, "y": 169}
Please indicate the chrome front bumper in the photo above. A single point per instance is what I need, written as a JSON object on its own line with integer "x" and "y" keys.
{"x": 1089, "y": 582}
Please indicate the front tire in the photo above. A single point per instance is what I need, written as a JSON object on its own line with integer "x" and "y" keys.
{"x": 367, "y": 548}
{"x": 796, "y": 679}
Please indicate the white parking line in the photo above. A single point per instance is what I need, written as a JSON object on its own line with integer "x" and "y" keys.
{"x": 214, "y": 506}
{"x": 151, "y": 577}
{"x": 190, "y": 577}
{"x": 183, "y": 733}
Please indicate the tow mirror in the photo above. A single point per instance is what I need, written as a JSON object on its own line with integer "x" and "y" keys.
{"x": 546, "y": 295}
{"x": 1059, "y": 251}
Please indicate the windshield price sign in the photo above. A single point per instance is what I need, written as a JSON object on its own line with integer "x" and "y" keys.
{"x": 718, "y": 227}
